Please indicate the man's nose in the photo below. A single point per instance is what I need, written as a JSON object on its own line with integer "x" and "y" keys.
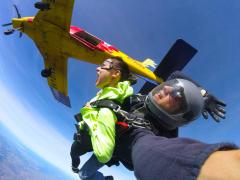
{"x": 98, "y": 68}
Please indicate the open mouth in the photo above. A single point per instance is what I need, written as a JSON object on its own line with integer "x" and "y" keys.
{"x": 98, "y": 74}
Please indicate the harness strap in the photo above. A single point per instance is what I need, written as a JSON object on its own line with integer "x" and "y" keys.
{"x": 105, "y": 103}
{"x": 78, "y": 117}
{"x": 130, "y": 118}
{"x": 135, "y": 99}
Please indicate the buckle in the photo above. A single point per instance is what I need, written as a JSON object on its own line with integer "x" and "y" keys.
{"x": 117, "y": 109}
{"x": 77, "y": 137}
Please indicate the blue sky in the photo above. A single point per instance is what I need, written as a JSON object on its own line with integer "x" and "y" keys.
{"x": 141, "y": 30}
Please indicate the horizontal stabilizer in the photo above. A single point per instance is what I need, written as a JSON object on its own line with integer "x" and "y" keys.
{"x": 176, "y": 59}
{"x": 61, "y": 97}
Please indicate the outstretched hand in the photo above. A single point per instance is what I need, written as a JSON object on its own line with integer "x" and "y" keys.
{"x": 214, "y": 107}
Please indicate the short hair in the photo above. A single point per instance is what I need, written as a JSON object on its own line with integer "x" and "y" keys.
{"x": 122, "y": 66}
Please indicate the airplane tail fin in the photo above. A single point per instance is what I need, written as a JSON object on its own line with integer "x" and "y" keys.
{"x": 175, "y": 60}
{"x": 61, "y": 97}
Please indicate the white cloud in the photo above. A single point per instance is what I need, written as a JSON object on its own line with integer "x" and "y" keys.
{"x": 33, "y": 130}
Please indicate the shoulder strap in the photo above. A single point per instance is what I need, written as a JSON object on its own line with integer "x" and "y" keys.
{"x": 106, "y": 103}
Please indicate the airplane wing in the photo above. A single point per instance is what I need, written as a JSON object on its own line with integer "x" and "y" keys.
{"x": 58, "y": 79}
{"x": 176, "y": 59}
{"x": 60, "y": 13}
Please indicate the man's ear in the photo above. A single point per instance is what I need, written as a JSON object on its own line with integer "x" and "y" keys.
{"x": 116, "y": 74}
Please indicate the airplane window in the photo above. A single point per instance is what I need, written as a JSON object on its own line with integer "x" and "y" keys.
{"x": 88, "y": 37}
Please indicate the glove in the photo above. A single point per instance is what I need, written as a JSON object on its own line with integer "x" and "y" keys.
{"x": 214, "y": 107}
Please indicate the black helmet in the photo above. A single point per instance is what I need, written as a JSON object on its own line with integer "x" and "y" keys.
{"x": 187, "y": 98}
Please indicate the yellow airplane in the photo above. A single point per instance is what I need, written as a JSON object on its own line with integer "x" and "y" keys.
{"x": 57, "y": 40}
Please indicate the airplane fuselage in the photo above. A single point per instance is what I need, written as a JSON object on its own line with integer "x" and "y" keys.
{"x": 78, "y": 44}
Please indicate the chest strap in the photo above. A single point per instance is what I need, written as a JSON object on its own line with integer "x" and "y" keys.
{"x": 130, "y": 118}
